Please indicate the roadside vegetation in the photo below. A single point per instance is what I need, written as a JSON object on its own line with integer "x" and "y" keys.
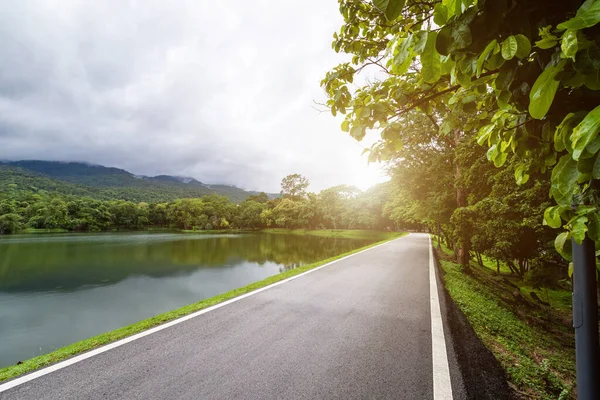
{"x": 108, "y": 337}
{"x": 533, "y": 341}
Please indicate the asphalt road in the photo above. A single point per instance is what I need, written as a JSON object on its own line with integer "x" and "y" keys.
{"x": 356, "y": 329}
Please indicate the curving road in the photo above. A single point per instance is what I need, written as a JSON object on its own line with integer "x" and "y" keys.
{"x": 355, "y": 329}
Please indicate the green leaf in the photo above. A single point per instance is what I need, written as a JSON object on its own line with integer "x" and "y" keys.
{"x": 596, "y": 169}
{"x": 495, "y": 61}
{"x": 491, "y": 153}
{"x": 568, "y": 44}
{"x": 454, "y": 37}
{"x": 587, "y": 15}
{"x": 346, "y": 126}
{"x": 562, "y": 136}
{"x": 509, "y": 47}
{"x": 391, "y": 8}
{"x": 585, "y": 132}
{"x": 469, "y": 99}
{"x": 447, "y": 64}
{"x": 563, "y": 178}
{"x": 454, "y": 7}
{"x": 484, "y": 133}
{"x": 499, "y": 158}
{"x": 430, "y": 60}
{"x": 591, "y": 149}
{"x": 461, "y": 36}
{"x": 467, "y": 65}
{"x": 579, "y": 228}
{"x": 548, "y": 39}
{"x": 570, "y": 270}
{"x": 523, "y": 46}
{"x": 503, "y": 99}
{"x": 546, "y": 43}
{"x": 586, "y": 165}
{"x": 504, "y": 78}
{"x": 365, "y": 112}
{"x": 576, "y": 80}
{"x": 440, "y": 14}
{"x": 357, "y": 132}
{"x": 592, "y": 80}
{"x": 521, "y": 175}
{"x": 543, "y": 90}
{"x": 563, "y": 245}
{"x": 419, "y": 40}
{"x": 404, "y": 56}
{"x": 552, "y": 217}
{"x": 444, "y": 40}
{"x": 594, "y": 226}
{"x": 484, "y": 55}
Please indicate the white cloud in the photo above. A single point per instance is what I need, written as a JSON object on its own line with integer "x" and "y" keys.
{"x": 222, "y": 91}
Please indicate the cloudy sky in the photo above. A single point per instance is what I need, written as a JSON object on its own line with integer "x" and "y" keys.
{"x": 219, "y": 90}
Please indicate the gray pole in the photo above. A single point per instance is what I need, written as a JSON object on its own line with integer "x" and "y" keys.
{"x": 585, "y": 320}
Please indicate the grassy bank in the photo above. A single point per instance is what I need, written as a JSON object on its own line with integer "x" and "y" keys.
{"x": 35, "y": 230}
{"x": 105, "y": 338}
{"x": 534, "y": 343}
{"x": 341, "y": 233}
{"x": 216, "y": 231}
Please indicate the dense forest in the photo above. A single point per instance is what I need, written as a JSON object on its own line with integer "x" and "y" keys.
{"x": 337, "y": 207}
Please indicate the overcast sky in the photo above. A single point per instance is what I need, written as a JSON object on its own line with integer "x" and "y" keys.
{"x": 219, "y": 90}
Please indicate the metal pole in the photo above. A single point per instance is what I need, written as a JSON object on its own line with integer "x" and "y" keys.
{"x": 585, "y": 320}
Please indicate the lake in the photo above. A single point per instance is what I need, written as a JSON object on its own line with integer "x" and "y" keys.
{"x": 56, "y": 289}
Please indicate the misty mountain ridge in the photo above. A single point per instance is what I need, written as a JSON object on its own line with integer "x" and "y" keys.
{"x": 115, "y": 182}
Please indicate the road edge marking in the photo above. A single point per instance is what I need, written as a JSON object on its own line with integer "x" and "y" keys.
{"x": 63, "y": 364}
{"x": 442, "y": 387}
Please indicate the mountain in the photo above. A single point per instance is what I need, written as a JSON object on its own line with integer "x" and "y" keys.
{"x": 102, "y": 182}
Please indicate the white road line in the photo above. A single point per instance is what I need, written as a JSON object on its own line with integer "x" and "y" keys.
{"x": 29, "y": 377}
{"x": 442, "y": 388}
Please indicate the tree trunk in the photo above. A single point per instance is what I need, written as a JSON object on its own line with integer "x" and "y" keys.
{"x": 449, "y": 242}
{"x": 513, "y": 268}
{"x": 498, "y": 266}
{"x": 439, "y": 229}
{"x": 462, "y": 253}
{"x": 479, "y": 259}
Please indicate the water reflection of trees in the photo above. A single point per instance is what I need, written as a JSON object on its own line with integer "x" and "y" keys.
{"x": 39, "y": 265}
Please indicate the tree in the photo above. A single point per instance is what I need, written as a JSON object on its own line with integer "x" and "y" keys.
{"x": 524, "y": 74}
{"x": 249, "y": 214}
{"x": 10, "y": 223}
{"x": 290, "y": 214}
{"x": 334, "y": 203}
{"x": 294, "y": 186}
{"x": 259, "y": 198}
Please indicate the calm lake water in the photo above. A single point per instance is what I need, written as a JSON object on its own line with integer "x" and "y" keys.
{"x": 58, "y": 289}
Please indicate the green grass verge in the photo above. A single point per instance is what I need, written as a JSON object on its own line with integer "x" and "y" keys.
{"x": 35, "y": 230}
{"x": 108, "y": 337}
{"x": 338, "y": 233}
{"x": 533, "y": 343}
{"x": 217, "y": 231}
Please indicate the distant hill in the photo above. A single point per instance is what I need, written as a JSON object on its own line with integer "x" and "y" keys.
{"x": 101, "y": 182}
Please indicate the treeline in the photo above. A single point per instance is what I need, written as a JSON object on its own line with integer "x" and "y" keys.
{"x": 338, "y": 207}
